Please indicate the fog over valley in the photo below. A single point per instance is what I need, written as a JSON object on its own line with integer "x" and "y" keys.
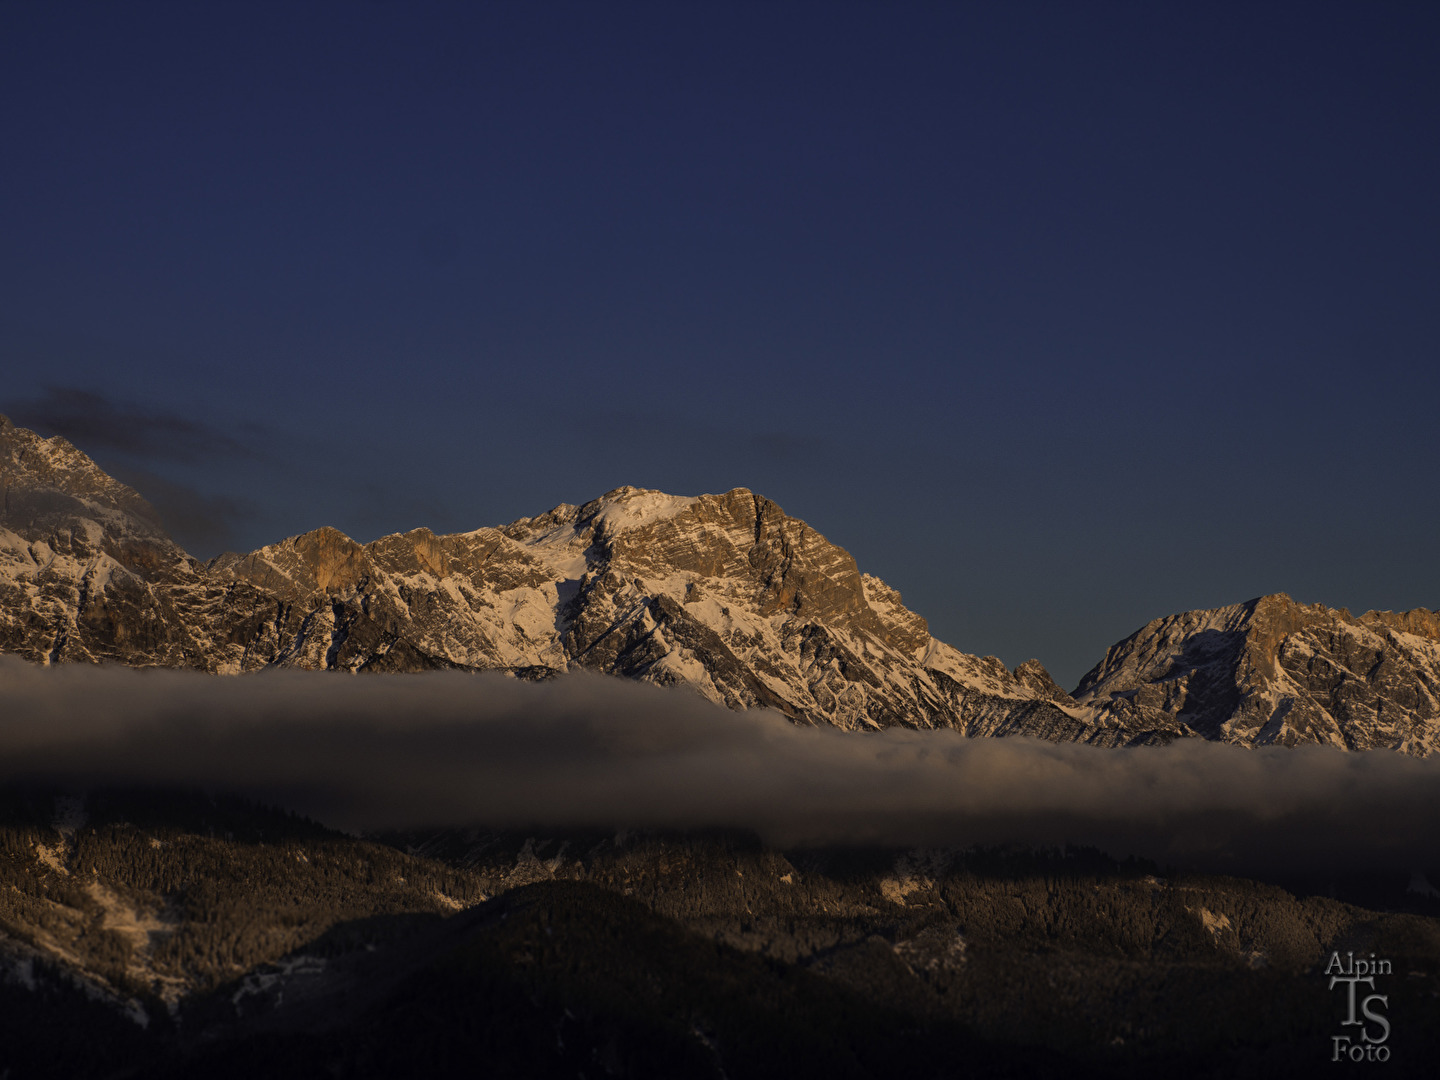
{"x": 453, "y": 749}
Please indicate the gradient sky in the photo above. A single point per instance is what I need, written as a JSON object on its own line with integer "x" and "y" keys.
{"x": 1060, "y": 317}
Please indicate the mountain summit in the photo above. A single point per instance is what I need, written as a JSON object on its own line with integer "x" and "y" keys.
{"x": 722, "y": 593}
{"x": 725, "y": 594}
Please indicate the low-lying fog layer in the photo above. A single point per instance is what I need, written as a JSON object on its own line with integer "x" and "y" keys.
{"x": 399, "y": 751}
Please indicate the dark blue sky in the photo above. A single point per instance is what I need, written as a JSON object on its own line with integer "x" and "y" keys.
{"x": 1058, "y": 316}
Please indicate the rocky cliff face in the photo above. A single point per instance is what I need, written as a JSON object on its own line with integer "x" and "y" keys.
{"x": 725, "y": 594}
{"x": 1272, "y": 671}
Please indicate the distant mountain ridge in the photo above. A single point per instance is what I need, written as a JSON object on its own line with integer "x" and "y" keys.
{"x": 1275, "y": 671}
{"x": 723, "y": 593}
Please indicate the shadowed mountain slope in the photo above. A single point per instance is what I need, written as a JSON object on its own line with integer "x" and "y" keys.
{"x": 170, "y": 934}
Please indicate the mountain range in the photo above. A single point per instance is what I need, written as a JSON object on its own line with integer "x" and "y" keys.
{"x": 724, "y": 594}
{"x": 159, "y": 932}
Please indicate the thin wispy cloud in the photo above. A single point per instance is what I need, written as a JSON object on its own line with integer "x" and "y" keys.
{"x": 155, "y": 450}
{"x": 199, "y": 521}
{"x": 454, "y": 749}
{"x": 96, "y": 422}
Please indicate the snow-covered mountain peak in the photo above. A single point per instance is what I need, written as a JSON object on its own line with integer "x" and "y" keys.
{"x": 66, "y": 476}
{"x": 633, "y": 508}
{"x": 54, "y": 493}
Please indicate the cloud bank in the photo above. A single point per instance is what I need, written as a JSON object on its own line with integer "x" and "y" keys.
{"x": 454, "y": 749}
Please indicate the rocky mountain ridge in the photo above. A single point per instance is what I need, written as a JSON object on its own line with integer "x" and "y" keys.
{"x": 725, "y": 594}
{"x": 1273, "y": 671}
